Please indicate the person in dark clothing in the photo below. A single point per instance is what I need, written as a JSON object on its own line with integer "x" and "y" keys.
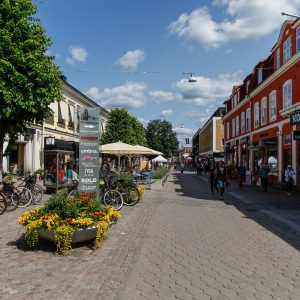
{"x": 241, "y": 175}
{"x": 264, "y": 176}
{"x": 221, "y": 178}
{"x": 212, "y": 182}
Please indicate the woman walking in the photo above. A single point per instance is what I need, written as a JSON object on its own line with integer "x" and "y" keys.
{"x": 221, "y": 178}
{"x": 211, "y": 180}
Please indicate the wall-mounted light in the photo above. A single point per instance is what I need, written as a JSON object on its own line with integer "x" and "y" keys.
{"x": 50, "y": 141}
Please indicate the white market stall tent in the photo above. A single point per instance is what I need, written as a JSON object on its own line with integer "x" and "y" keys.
{"x": 159, "y": 159}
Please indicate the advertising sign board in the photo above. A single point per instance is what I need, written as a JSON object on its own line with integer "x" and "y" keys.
{"x": 89, "y": 150}
{"x": 295, "y": 117}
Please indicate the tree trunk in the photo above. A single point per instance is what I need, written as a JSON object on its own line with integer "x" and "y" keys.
{"x": 1, "y": 155}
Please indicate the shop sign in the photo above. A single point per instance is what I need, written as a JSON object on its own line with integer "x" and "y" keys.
{"x": 295, "y": 117}
{"x": 296, "y": 135}
{"x": 244, "y": 140}
{"x": 89, "y": 150}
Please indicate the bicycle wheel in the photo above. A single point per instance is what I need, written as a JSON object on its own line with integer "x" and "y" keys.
{"x": 25, "y": 196}
{"x": 131, "y": 195}
{"x": 12, "y": 200}
{"x": 74, "y": 193}
{"x": 3, "y": 204}
{"x": 37, "y": 193}
{"x": 113, "y": 198}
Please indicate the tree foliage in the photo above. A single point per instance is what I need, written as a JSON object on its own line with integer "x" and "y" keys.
{"x": 161, "y": 137}
{"x": 29, "y": 80}
{"x": 121, "y": 126}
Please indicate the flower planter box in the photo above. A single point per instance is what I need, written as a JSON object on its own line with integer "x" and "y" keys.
{"x": 80, "y": 235}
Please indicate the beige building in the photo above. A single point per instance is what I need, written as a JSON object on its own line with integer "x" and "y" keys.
{"x": 211, "y": 136}
{"x": 27, "y": 154}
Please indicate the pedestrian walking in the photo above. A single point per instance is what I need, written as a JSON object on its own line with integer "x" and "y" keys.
{"x": 289, "y": 179}
{"x": 198, "y": 167}
{"x": 181, "y": 167}
{"x": 221, "y": 178}
{"x": 241, "y": 175}
{"x": 212, "y": 181}
{"x": 264, "y": 176}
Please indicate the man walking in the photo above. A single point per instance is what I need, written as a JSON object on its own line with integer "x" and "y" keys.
{"x": 221, "y": 178}
{"x": 264, "y": 176}
{"x": 289, "y": 179}
{"x": 241, "y": 175}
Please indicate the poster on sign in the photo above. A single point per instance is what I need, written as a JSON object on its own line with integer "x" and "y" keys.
{"x": 89, "y": 151}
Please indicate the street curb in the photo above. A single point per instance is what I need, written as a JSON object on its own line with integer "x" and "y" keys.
{"x": 269, "y": 213}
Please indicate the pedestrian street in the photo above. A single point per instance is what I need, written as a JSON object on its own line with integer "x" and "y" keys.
{"x": 179, "y": 243}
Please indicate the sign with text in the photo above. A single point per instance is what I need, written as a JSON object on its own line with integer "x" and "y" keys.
{"x": 295, "y": 117}
{"x": 296, "y": 135}
{"x": 89, "y": 150}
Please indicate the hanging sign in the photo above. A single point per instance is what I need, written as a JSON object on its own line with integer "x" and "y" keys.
{"x": 295, "y": 117}
{"x": 89, "y": 150}
{"x": 296, "y": 135}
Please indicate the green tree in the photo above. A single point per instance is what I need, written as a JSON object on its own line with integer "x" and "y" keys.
{"x": 29, "y": 80}
{"x": 161, "y": 137}
{"x": 121, "y": 126}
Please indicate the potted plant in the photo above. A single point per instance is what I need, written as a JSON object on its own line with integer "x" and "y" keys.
{"x": 66, "y": 220}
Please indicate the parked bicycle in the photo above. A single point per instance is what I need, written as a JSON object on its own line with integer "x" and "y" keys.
{"x": 3, "y": 202}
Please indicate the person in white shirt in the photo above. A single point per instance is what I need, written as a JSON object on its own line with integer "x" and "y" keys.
{"x": 289, "y": 179}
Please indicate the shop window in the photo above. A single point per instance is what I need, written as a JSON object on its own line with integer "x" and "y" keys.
{"x": 264, "y": 111}
{"x": 256, "y": 115}
{"x": 287, "y": 94}
{"x": 287, "y": 140}
{"x": 278, "y": 58}
{"x": 272, "y": 106}
{"x": 287, "y": 49}
{"x": 248, "y": 119}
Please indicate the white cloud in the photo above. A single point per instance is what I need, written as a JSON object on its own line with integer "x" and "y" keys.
{"x": 164, "y": 97}
{"x": 129, "y": 95}
{"x": 131, "y": 59}
{"x": 245, "y": 19}
{"x": 183, "y": 130}
{"x": 77, "y": 54}
{"x": 206, "y": 91}
{"x": 167, "y": 113}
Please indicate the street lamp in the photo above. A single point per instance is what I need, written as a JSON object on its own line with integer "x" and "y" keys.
{"x": 293, "y": 16}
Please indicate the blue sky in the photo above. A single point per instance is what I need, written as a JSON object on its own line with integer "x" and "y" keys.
{"x": 133, "y": 53}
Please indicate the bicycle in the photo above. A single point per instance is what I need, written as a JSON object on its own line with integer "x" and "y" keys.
{"x": 36, "y": 190}
{"x": 24, "y": 194}
{"x": 130, "y": 193}
{"x": 3, "y": 202}
{"x": 108, "y": 195}
{"x": 12, "y": 198}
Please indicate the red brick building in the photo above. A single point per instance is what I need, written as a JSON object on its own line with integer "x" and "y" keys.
{"x": 258, "y": 112}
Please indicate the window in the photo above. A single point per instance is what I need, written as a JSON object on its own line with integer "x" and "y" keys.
{"x": 287, "y": 139}
{"x": 287, "y": 94}
{"x": 248, "y": 119}
{"x": 259, "y": 76}
{"x": 298, "y": 39}
{"x": 222, "y": 127}
{"x": 272, "y": 106}
{"x": 233, "y": 127}
{"x": 242, "y": 122}
{"x": 235, "y": 100}
{"x": 237, "y": 126}
{"x": 278, "y": 58}
{"x": 227, "y": 130}
{"x": 263, "y": 111}
{"x": 247, "y": 87}
{"x": 59, "y": 118}
{"x": 256, "y": 114}
{"x": 287, "y": 49}
{"x": 71, "y": 123}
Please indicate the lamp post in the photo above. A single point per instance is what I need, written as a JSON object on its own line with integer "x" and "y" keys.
{"x": 289, "y": 15}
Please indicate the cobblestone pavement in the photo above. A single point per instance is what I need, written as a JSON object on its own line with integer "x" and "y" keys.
{"x": 177, "y": 244}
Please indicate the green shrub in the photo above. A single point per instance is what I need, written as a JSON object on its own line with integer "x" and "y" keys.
{"x": 160, "y": 173}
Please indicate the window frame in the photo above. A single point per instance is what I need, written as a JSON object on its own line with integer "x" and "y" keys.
{"x": 259, "y": 76}
{"x": 286, "y": 105}
{"x": 248, "y": 119}
{"x": 287, "y": 49}
{"x": 273, "y": 117}
{"x": 233, "y": 127}
{"x": 243, "y": 122}
{"x": 237, "y": 126}
{"x": 278, "y": 58}
{"x": 263, "y": 111}
{"x": 287, "y": 139}
{"x": 298, "y": 38}
{"x": 227, "y": 130}
{"x": 256, "y": 115}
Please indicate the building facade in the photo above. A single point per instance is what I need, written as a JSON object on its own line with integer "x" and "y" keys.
{"x": 257, "y": 119}
{"x": 27, "y": 154}
{"x": 211, "y": 136}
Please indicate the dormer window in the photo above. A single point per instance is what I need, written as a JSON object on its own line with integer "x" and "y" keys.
{"x": 259, "y": 76}
{"x": 235, "y": 100}
{"x": 278, "y": 58}
{"x": 298, "y": 39}
{"x": 287, "y": 49}
{"x": 247, "y": 87}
